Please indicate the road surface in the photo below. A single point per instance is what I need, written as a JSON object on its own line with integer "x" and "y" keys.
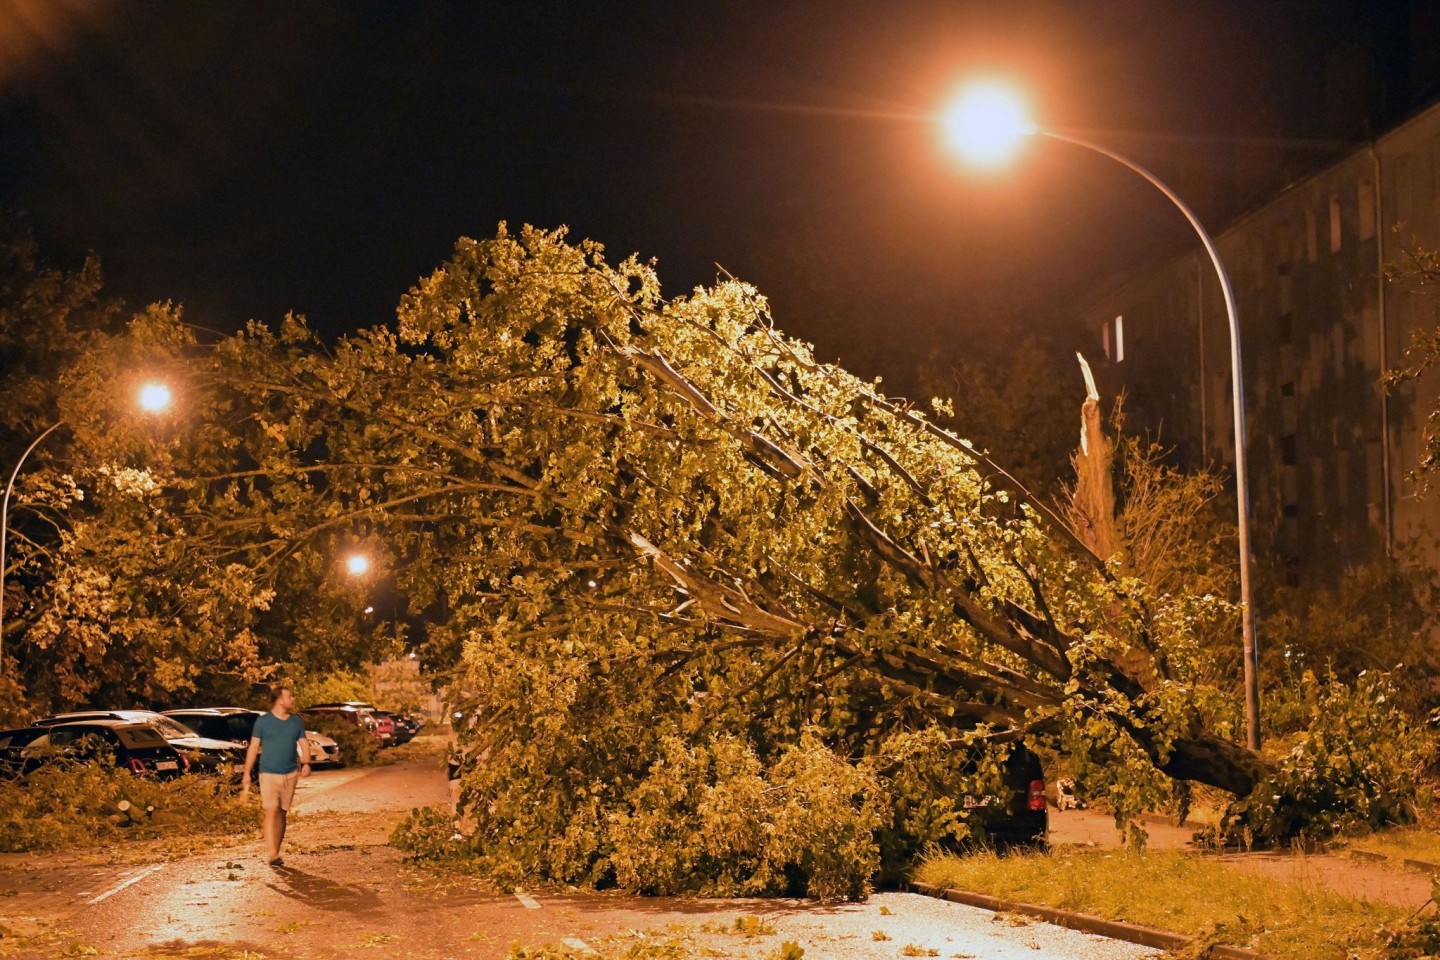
{"x": 343, "y": 893}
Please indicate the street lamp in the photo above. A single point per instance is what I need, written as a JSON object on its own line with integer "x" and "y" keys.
{"x": 154, "y": 397}
{"x": 357, "y": 564}
{"x": 987, "y": 124}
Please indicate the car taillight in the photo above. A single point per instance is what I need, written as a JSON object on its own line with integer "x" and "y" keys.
{"x": 184, "y": 763}
{"x": 137, "y": 766}
{"x": 1036, "y": 795}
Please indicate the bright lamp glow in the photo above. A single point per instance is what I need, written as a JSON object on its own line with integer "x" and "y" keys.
{"x": 357, "y": 564}
{"x": 154, "y": 397}
{"x": 986, "y": 124}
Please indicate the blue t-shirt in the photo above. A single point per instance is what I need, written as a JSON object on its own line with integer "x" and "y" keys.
{"x": 278, "y": 739}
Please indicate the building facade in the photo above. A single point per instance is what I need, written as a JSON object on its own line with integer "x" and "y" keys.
{"x": 1330, "y": 451}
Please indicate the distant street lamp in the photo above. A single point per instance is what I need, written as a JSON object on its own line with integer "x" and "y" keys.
{"x": 987, "y": 124}
{"x": 154, "y": 397}
{"x": 357, "y": 564}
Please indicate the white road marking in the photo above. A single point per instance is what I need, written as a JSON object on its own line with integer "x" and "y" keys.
{"x": 141, "y": 875}
{"x": 529, "y": 902}
{"x": 575, "y": 943}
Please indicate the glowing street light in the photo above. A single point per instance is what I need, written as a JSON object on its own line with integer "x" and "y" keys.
{"x": 986, "y": 125}
{"x": 154, "y": 397}
{"x": 357, "y": 564}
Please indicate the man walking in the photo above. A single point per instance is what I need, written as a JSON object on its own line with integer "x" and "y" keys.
{"x": 284, "y": 753}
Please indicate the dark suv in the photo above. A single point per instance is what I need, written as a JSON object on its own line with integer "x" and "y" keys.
{"x": 237, "y": 724}
{"x": 1018, "y": 817}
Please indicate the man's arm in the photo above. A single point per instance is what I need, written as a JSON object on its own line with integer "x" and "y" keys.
{"x": 251, "y": 753}
{"x": 303, "y": 746}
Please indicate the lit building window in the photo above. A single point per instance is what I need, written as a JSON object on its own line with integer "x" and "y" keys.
{"x": 1119, "y": 339}
{"x": 1335, "y": 223}
{"x": 1366, "y": 205}
{"x": 1310, "y": 243}
{"x": 1403, "y": 189}
{"x": 1105, "y": 340}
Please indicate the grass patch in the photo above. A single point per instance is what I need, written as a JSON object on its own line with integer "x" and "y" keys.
{"x": 1413, "y": 843}
{"x": 1191, "y": 895}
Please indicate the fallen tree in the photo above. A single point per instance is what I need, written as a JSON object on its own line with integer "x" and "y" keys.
{"x": 720, "y": 616}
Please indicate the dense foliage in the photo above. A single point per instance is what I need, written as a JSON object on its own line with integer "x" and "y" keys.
{"x": 1354, "y": 767}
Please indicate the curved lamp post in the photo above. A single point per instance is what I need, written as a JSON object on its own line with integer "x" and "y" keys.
{"x": 987, "y": 124}
{"x": 153, "y": 398}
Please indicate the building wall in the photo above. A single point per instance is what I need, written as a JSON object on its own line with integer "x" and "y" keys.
{"x": 1329, "y": 453}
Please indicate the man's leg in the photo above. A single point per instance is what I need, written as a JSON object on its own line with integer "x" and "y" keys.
{"x": 285, "y": 795}
{"x": 274, "y": 831}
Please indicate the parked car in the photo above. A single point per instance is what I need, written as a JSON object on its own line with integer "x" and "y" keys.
{"x": 405, "y": 727}
{"x": 237, "y": 724}
{"x": 220, "y": 757}
{"x": 1018, "y": 815}
{"x": 140, "y": 748}
{"x": 361, "y": 714}
{"x": 12, "y": 745}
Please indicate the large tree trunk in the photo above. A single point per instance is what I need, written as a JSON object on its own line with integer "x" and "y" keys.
{"x": 1218, "y": 763}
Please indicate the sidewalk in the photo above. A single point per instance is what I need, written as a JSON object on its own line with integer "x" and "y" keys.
{"x": 1391, "y": 882}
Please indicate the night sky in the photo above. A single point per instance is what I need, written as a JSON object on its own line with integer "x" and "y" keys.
{"x": 251, "y": 158}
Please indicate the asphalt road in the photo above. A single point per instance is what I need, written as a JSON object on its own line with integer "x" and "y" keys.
{"x": 343, "y": 893}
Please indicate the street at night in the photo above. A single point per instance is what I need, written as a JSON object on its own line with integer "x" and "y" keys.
{"x": 343, "y": 892}
{"x": 772, "y": 481}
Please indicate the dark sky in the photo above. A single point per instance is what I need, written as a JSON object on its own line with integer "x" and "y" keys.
{"x": 249, "y": 158}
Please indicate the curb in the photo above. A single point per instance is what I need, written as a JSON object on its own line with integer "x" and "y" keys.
{"x": 1086, "y": 923}
{"x": 1423, "y": 866}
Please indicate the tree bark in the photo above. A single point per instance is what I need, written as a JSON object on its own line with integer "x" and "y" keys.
{"x": 1219, "y": 763}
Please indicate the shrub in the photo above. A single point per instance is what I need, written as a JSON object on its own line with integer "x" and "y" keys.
{"x": 80, "y": 804}
{"x": 1381, "y": 613}
{"x": 428, "y": 833}
{"x": 357, "y": 745}
{"x": 716, "y": 822}
{"x": 1353, "y": 770}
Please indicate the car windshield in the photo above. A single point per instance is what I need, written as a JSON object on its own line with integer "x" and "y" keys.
{"x": 65, "y": 736}
{"x": 171, "y": 728}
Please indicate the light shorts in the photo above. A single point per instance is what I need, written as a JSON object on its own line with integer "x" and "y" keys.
{"x": 278, "y": 789}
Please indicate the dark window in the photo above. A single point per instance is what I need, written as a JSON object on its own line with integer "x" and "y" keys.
{"x": 240, "y": 726}
{"x": 1291, "y": 510}
{"x": 1287, "y": 450}
{"x": 138, "y": 738}
{"x": 1287, "y": 389}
